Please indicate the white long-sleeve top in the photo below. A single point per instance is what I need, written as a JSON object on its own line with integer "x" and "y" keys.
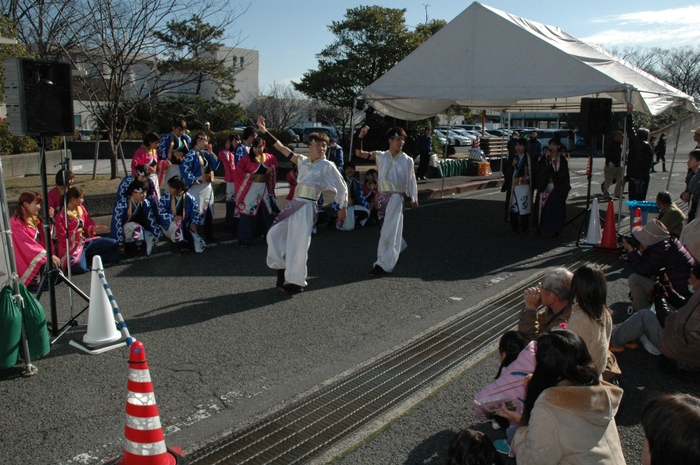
{"x": 402, "y": 171}
{"x": 321, "y": 175}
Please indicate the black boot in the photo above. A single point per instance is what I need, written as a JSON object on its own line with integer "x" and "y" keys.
{"x": 280, "y": 278}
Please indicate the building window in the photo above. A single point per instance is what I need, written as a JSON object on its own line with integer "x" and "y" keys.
{"x": 235, "y": 60}
{"x": 77, "y": 120}
{"x": 241, "y": 62}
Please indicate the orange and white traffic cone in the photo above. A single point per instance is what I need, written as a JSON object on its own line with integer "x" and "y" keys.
{"x": 144, "y": 443}
{"x": 637, "y": 221}
{"x": 609, "y": 241}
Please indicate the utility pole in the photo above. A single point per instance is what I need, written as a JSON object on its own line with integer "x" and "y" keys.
{"x": 426, "y": 12}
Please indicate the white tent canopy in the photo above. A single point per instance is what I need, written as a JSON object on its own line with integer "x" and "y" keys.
{"x": 488, "y": 59}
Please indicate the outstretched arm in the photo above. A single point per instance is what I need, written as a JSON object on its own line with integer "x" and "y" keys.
{"x": 273, "y": 142}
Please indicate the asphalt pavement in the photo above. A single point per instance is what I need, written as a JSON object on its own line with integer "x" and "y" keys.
{"x": 225, "y": 348}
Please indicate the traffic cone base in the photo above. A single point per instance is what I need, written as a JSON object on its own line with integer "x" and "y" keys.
{"x": 609, "y": 241}
{"x": 593, "y": 235}
{"x": 102, "y": 333}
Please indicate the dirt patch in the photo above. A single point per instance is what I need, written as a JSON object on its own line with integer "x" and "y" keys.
{"x": 100, "y": 185}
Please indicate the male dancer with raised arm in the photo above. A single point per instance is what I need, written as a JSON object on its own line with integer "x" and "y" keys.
{"x": 289, "y": 238}
{"x": 396, "y": 178}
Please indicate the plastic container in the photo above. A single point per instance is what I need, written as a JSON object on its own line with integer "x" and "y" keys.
{"x": 648, "y": 207}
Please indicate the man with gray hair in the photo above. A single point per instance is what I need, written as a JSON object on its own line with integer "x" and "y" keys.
{"x": 553, "y": 294}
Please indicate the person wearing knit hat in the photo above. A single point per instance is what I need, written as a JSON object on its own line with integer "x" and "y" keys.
{"x": 658, "y": 253}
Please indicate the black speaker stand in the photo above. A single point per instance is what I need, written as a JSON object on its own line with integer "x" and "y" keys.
{"x": 53, "y": 275}
{"x": 587, "y": 212}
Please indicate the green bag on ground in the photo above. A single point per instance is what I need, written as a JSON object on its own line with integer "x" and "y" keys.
{"x": 34, "y": 324}
{"x": 10, "y": 329}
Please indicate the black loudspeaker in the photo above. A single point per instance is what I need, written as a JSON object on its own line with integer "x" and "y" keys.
{"x": 596, "y": 114}
{"x": 39, "y": 97}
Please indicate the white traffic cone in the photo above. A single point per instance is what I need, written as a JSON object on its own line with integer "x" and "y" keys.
{"x": 102, "y": 333}
{"x": 594, "y": 234}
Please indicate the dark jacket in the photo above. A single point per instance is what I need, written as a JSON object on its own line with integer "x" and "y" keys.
{"x": 681, "y": 337}
{"x": 613, "y": 152}
{"x": 424, "y": 144}
{"x": 640, "y": 156}
{"x": 677, "y": 259}
{"x": 509, "y": 171}
{"x": 534, "y": 148}
{"x": 660, "y": 149}
{"x": 544, "y": 173}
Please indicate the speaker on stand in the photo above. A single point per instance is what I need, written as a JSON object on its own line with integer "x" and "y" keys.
{"x": 39, "y": 100}
{"x": 596, "y": 116}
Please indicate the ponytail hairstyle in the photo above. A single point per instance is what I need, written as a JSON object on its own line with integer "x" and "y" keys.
{"x": 510, "y": 345}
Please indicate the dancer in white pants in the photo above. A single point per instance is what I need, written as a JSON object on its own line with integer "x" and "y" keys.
{"x": 289, "y": 237}
{"x": 396, "y": 179}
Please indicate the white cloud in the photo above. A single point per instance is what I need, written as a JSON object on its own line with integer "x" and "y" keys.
{"x": 655, "y": 36}
{"x": 680, "y": 16}
{"x": 672, "y": 27}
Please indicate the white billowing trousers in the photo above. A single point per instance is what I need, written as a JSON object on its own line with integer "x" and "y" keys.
{"x": 391, "y": 242}
{"x": 288, "y": 244}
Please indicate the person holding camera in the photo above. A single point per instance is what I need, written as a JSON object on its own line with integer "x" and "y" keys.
{"x": 552, "y": 294}
{"x": 656, "y": 253}
{"x": 675, "y": 333}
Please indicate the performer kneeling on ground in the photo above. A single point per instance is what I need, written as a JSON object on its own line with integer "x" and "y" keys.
{"x": 357, "y": 205}
{"x": 179, "y": 217}
{"x": 80, "y": 235}
{"x": 133, "y": 221}
{"x": 256, "y": 176}
{"x": 28, "y": 240}
{"x": 289, "y": 238}
{"x": 396, "y": 178}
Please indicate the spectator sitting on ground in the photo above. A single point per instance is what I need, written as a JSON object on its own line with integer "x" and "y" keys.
{"x": 671, "y": 424}
{"x": 64, "y": 181}
{"x": 357, "y": 211}
{"x": 569, "y": 415}
{"x": 674, "y": 334}
{"x": 553, "y": 293}
{"x": 657, "y": 250}
{"x": 334, "y": 153}
{"x": 370, "y": 189}
{"x": 591, "y": 318}
{"x": 669, "y": 214}
{"x": 471, "y": 448}
{"x": 517, "y": 361}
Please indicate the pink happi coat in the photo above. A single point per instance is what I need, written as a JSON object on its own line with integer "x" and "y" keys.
{"x": 244, "y": 178}
{"x": 76, "y": 238}
{"x": 30, "y": 253}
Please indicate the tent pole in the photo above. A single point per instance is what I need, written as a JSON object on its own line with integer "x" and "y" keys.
{"x": 352, "y": 127}
{"x": 675, "y": 148}
{"x": 625, "y": 146}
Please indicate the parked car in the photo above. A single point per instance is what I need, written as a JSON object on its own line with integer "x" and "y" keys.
{"x": 456, "y": 138}
{"x": 298, "y": 131}
{"x": 470, "y": 127}
{"x": 293, "y": 135}
{"x": 441, "y": 137}
{"x": 329, "y": 131}
{"x": 498, "y": 132}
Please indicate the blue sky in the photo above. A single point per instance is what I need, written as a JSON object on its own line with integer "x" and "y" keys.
{"x": 289, "y": 33}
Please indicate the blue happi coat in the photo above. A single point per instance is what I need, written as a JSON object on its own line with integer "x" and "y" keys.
{"x": 120, "y": 216}
{"x": 164, "y": 146}
{"x": 190, "y": 211}
{"x": 191, "y": 169}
